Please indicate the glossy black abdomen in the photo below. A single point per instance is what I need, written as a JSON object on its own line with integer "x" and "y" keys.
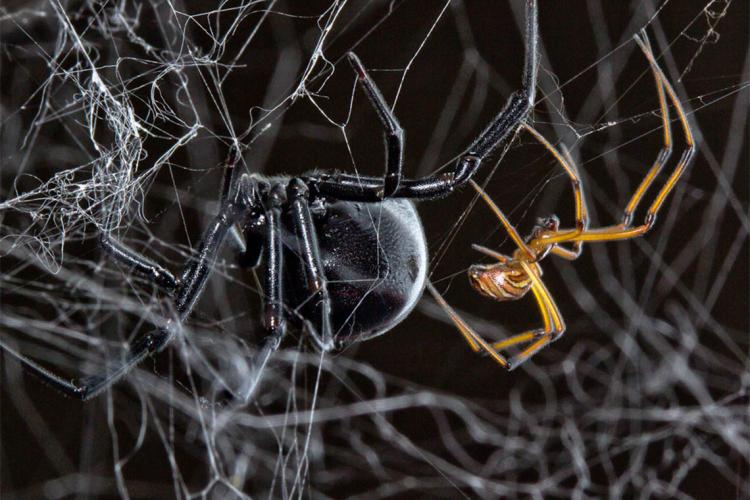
{"x": 375, "y": 260}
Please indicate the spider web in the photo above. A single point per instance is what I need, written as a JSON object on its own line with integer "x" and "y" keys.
{"x": 119, "y": 116}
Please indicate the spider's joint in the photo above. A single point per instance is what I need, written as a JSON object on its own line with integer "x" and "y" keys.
{"x": 273, "y": 322}
{"x": 465, "y": 169}
{"x": 357, "y": 65}
{"x": 166, "y": 281}
{"x": 276, "y": 196}
{"x": 297, "y": 188}
{"x": 556, "y": 334}
{"x": 627, "y": 218}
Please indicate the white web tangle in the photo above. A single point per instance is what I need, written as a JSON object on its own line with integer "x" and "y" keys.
{"x": 118, "y": 116}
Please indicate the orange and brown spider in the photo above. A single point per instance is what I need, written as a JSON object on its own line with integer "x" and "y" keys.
{"x": 513, "y": 276}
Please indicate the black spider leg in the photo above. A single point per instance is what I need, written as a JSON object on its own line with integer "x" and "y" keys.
{"x": 232, "y": 170}
{"x": 319, "y": 325}
{"x": 273, "y": 317}
{"x": 514, "y": 113}
{"x": 247, "y": 249}
{"x": 137, "y": 263}
{"x": 154, "y": 272}
{"x": 187, "y": 290}
{"x": 393, "y": 133}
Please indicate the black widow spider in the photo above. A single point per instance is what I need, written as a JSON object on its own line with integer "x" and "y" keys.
{"x": 356, "y": 262}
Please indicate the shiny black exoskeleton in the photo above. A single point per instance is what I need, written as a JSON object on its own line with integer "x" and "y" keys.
{"x": 343, "y": 271}
{"x": 375, "y": 261}
{"x": 346, "y": 272}
{"x": 343, "y": 255}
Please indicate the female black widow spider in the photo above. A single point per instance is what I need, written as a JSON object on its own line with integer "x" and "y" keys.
{"x": 356, "y": 264}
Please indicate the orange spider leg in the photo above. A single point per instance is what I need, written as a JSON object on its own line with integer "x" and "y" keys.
{"x": 476, "y": 342}
{"x": 582, "y": 216}
{"x": 553, "y": 323}
{"x": 554, "y": 326}
{"x": 567, "y": 253}
{"x": 688, "y": 153}
{"x": 577, "y": 246}
{"x": 491, "y": 253}
{"x": 531, "y": 334}
{"x": 622, "y": 231}
{"x": 665, "y": 152}
{"x": 530, "y": 253}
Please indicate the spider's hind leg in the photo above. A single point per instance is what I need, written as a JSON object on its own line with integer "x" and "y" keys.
{"x": 554, "y": 238}
{"x": 476, "y": 342}
{"x": 85, "y": 388}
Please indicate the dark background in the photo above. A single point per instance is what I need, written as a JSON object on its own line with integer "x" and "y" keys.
{"x": 612, "y": 387}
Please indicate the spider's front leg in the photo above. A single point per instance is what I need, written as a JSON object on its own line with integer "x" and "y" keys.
{"x": 500, "y": 129}
{"x": 393, "y": 133}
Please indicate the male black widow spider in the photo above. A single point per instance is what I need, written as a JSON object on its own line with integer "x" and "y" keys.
{"x": 356, "y": 264}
